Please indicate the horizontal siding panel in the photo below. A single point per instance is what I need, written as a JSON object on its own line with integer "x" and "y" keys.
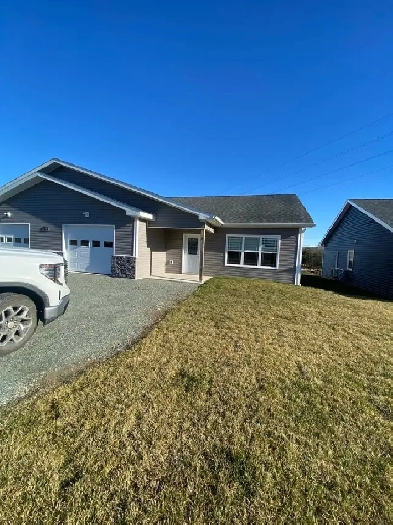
{"x": 215, "y": 255}
{"x": 166, "y": 216}
{"x": 157, "y": 245}
{"x": 49, "y": 205}
{"x": 373, "y": 246}
{"x": 143, "y": 259}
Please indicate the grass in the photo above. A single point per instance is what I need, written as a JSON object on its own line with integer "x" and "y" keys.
{"x": 252, "y": 402}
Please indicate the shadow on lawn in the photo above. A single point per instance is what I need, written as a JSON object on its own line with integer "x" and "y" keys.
{"x": 332, "y": 285}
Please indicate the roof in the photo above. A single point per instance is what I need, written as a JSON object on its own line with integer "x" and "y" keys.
{"x": 380, "y": 210}
{"x": 277, "y": 210}
{"x": 257, "y": 209}
{"x": 30, "y": 178}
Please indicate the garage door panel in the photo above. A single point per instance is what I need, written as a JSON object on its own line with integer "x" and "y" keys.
{"x": 14, "y": 235}
{"x": 89, "y": 248}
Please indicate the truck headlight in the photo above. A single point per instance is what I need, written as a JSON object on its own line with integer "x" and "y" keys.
{"x": 54, "y": 272}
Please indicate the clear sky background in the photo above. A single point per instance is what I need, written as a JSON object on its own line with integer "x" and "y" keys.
{"x": 204, "y": 97}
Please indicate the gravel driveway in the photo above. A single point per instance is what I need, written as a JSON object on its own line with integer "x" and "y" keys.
{"x": 104, "y": 314}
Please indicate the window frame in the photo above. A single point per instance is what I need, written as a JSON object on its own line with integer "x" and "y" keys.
{"x": 349, "y": 258}
{"x": 260, "y": 236}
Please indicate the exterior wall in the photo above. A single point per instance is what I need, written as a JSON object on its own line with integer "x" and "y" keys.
{"x": 174, "y": 249}
{"x": 215, "y": 255}
{"x": 373, "y": 261}
{"x": 50, "y": 205}
{"x": 157, "y": 244}
{"x": 143, "y": 257}
{"x": 165, "y": 216}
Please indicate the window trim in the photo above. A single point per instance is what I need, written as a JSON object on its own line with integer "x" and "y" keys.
{"x": 242, "y": 236}
{"x": 348, "y": 258}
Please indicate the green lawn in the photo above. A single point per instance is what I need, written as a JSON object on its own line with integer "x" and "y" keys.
{"x": 252, "y": 402}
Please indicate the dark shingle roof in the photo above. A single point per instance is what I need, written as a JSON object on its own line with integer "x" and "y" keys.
{"x": 380, "y": 208}
{"x": 285, "y": 208}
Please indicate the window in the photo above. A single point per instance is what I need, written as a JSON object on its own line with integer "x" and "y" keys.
{"x": 26, "y": 240}
{"x": 108, "y": 244}
{"x": 96, "y": 244}
{"x": 8, "y": 239}
{"x": 85, "y": 243}
{"x": 252, "y": 250}
{"x": 17, "y": 240}
{"x": 73, "y": 242}
{"x": 1, "y": 238}
{"x": 350, "y": 259}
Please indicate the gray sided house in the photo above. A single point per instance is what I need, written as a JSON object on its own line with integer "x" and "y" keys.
{"x": 358, "y": 247}
{"x": 102, "y": 225}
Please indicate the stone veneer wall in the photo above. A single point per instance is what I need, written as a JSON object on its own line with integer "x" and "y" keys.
{"x": 123, "y": 266}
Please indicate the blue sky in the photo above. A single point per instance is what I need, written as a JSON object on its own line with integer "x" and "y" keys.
{"x": 207, "y": 97}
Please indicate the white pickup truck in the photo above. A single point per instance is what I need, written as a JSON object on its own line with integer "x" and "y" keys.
{"x": 32, "y": 288}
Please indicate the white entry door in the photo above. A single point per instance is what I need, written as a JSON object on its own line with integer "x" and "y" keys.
{"x": 89, "y": 248}
{"x": 190, "y": 253}
{"x": 14, "y": 235}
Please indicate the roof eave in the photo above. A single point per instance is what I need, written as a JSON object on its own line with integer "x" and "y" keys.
{"x": 268, "y": 225}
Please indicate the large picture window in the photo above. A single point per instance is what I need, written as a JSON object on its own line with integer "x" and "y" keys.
{"x": 252, "y": 250}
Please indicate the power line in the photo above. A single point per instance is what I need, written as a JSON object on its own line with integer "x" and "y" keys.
{"x": 326, "y": 159}
{"x": 269, "y": 170}
{"x": 334, "y": 171}
{"x": 346, "y": 180}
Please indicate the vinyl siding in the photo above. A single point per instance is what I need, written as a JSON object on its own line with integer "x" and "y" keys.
{"x": 215, "y": 255}
{"x": 143, "y": 259}
{"x": 157, "y": 244}
{"x": 174, "y": 249}
{"x": 49, "y": 205}
{"x": 165, "y": 216}
{"x": 373, "y": 262}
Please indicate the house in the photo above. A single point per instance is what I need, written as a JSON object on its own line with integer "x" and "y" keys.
{"x": 103, "y": 225}
{"x": 358, "y": 247}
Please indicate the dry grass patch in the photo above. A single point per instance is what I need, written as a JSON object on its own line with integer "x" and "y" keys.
{"x": 252, "y": 402}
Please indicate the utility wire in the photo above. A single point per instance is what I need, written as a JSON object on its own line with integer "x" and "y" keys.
{"x": 326, "y": 159}
{"x": 269, "y": 170}
{"x": 334, "y": 171}
{"x": 346, "y": 180}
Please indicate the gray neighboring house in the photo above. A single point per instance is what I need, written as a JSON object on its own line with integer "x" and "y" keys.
{"x": 103, "y": 225}
{"x": 358, "y": 247}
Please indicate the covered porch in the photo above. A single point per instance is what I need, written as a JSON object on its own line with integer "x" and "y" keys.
{"x": 177, "y": 253}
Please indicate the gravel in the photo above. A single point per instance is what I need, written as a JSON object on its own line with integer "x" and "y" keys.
{"x": 104, "y": 316}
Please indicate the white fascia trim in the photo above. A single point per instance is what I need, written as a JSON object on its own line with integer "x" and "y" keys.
{"x": 136, "y": 237}
{"x": 343, "y": 211}
{"x": 30, "y": 174}
{"x": 267, "y": 225}
{"x": 129, "y": 187}
{"x": 390, "y": 228}
{"x": 298, "y": 272}
{"x": 133, "y": 212}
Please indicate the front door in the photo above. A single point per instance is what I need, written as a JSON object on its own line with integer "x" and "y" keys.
{"x": 190, "y": 253}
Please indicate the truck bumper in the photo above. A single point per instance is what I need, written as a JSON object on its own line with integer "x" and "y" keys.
{"x": 53, "y": 312}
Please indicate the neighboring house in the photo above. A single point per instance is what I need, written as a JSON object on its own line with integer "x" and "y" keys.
{"x": 102, "y": 225}
{"x": 358, "y": 247}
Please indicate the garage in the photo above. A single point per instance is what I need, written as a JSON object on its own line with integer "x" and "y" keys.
{"x": 14, "y": 235}
{"x": 89, "y": 248}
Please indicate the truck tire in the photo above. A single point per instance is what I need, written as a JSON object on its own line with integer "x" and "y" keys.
{"x": 18, "y": 321}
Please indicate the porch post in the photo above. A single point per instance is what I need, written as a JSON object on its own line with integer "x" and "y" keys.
{"x": 202, "y": 254}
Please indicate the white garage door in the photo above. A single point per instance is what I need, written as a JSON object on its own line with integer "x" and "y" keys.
{"x": 89, "y": 248}
{"x": 14, "y": 235}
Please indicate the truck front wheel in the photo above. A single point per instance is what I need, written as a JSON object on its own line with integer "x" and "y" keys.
{"x": 18, "y": 321}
